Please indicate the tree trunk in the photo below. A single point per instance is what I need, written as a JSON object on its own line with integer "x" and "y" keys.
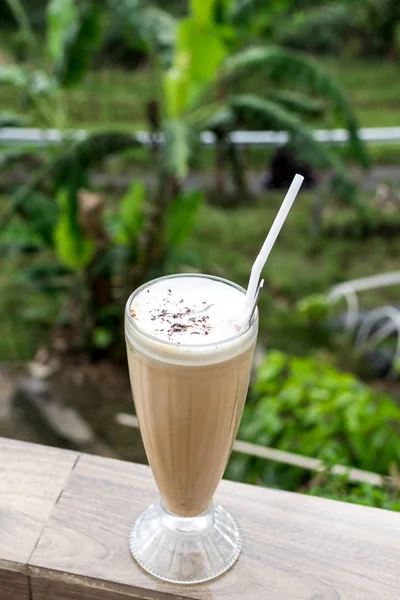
{"x": 219, "y": 166}
{"x": 238, "y": 173}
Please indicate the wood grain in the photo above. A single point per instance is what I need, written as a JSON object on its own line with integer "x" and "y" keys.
{"x": 31, "y": 480}
{"x": 296, "y": 547}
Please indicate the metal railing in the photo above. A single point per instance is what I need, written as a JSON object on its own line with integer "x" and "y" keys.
{"x": 370, "y": 135}
{"x": 381, "y": 323}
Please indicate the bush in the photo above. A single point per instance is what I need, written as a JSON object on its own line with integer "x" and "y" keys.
{"x": 306, "y": 406}
{"x": 336, "y": 487}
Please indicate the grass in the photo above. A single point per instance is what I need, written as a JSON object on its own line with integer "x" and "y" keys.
{"x": 373, "y": 88}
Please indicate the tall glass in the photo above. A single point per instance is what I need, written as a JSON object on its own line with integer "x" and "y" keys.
{"x": 189, "y": 400}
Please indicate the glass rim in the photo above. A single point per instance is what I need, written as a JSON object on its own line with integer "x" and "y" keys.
{"x": 131, "y": 321}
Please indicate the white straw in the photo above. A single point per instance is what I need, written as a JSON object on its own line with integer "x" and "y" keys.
{"x": 271, "y": 238}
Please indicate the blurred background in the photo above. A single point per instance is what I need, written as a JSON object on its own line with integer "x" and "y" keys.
{"x": 144, "y": 138}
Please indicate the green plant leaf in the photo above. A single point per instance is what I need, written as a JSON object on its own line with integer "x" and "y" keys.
{"x": 81, "y": 44}
{"x": 251, "y": 110}
{"x": 131, "y": 213}
{"x": 9, "y": 119}
{"x": 102, "y": 337}
{"x": 202, "y": 10}
{"x": 13, "y": 75}
{"x": 203, "y": 48}
{"x": 40, "y": 213}
{"x": 62, "y": 16}
{"x": 22, "y": 19}
{"x": 176, "y": 148}
{"x": 72, "y": 248}
{"x": 295, "y": 69}
{"x": 181, "y": 216}
{"x": 176, "y": 91}
{"x": 299, "y": 103}
{"x": 145, "y": 28}
{"x": 90, "y": 151}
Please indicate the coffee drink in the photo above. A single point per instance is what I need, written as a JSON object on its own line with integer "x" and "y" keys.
{"x": 189, "y": 361}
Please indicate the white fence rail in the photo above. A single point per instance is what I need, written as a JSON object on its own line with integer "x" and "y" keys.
{"x": 370, "y": 135}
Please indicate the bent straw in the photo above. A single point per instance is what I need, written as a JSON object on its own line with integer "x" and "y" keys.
{"x": 271, "y": 239}
{"x": 249, "y": 314}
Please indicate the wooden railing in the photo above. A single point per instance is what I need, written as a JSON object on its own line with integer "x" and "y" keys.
{"x": 65, "y": 518}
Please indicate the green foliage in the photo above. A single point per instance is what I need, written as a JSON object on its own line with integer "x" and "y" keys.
{"x": 81, "y": 43}
{"x": 61, "y": 18}
{"x": 176, "y": 150}
{"x": 193, "y": 87}
{"x": 131, "y": 212}
{"x": 306, "y": 406}
{"x": 203, "y": 47}
{"x": 13, "y": 75}
{"x": 363, "y": 27}
{"x": 202, "y": 10}
{"x": 9, "y": 119}
{"x": 314, "y": 308}
{"x": 339, "y": 487}
{"x": 180, "y": 217}
{"x": 284, "y": 67}
{"x": 144, "y": 27}
{"x": 298, "y": 102}
{"x": 102, "y": 337}
{"x": 72, "y": 248}
{"x": 40, "y": 214}
{"x": 319, "y": 29}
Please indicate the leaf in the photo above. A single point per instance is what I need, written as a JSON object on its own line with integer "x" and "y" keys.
{"x": 203, "y": 48}
{"x": 21, "y": 17}
{"x": 9, "y": 119}
{"x": 61, "y": 19}
{"x": 176, "y": 148}
{"x": 131, "y": 212}
{"x": 144, "y": 27}
{"x": 9, "y": 155}
{"x": 90, "y": 151}
{"x": 298, "y": 102}
{"x": 71, "y": 247}
{"x": 41, "y": 83}
{"x": 176, "y": 91}
{"x": 199, "y": 53}
{"x": 81, "y": 44}
{"x": 295, "y": 69}
{"x": 222, "y": 121}
{"x": 202, "y": 10}
{"x": 180, "y": 217}
{"x": 40, "y": 213}
{"x": 13, "y": 75}
{"x": 102, "y": 337}
{"x": 255, "y": 111}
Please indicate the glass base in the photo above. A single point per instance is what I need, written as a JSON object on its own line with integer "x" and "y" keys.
{"x": 185, "y": 550}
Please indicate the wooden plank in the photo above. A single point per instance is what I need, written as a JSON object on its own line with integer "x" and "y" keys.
{"x": 32, "y": 478}
{"x": 295, "y": 547}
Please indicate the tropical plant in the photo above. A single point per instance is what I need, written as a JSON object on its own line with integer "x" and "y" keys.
{"x": 370, "y": 27}
{"x": 217, "y": 81}
{"x": 306, "y": 406}
{"x": 200, "y": 66}
{"x": 92, "y": 251}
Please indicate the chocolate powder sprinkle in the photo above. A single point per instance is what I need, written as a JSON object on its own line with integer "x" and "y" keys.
{"x": 182, "y": 319}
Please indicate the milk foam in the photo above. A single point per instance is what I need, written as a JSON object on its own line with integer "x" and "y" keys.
{"x": 188, "y": 310}
{"x": 189, "y": 320}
